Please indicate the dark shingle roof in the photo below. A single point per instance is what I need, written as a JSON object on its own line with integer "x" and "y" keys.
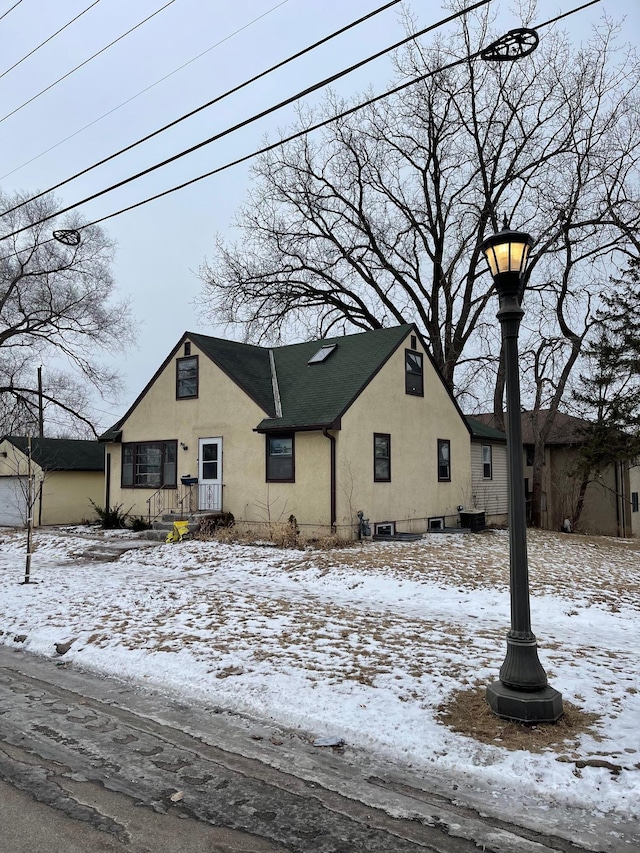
{"x": 62, "y": 454}
{"x": 566, "y": 429}
{"x": 483, "y": 430}
{"x": 311, "y": 395}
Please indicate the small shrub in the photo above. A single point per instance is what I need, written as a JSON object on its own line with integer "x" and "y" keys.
{"x": 111, "y": 518}
{"x": 138, "y": 523}
{"x": 209, "y": 525}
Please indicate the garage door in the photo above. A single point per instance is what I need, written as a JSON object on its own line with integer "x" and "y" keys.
{"x": 13, "y": 504}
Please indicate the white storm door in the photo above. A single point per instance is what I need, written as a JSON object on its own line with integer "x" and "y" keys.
{"x": 210, "y": 474}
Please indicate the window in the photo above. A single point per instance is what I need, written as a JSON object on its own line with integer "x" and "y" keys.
{"x": 187, "y": 377}
{"x": 528, "y": 453}
{"x": 323, "y": 354}
{"x": 413, "y": 373}
{"x": 487, "y": 462}
{"x": 444, "y": 459}
{"x": 381, "y": 457}
{"x": 149, "y": 465}
{"x": 280, "y": 459}
{"x": 187, "y": 348}
{"x": 634, "y": 502}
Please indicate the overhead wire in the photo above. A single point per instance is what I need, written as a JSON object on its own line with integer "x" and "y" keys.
{"x": 10, "y": 10}
{"x": 47, "y": 40}
{"x": 284, "y": 140}
{"x": 255, "y": 117}
{"x": 215, "y": 100}
{"x": 86, "y": 61}
{"x": 146, "y": 89}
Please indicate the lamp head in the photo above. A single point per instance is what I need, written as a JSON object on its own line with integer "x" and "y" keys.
{"x": 507, "y": 253}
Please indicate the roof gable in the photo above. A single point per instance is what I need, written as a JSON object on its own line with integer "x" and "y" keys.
{"x": 61, "y": 454}
{"x": 318, "y": 394}
{"x": 302, "y": 395}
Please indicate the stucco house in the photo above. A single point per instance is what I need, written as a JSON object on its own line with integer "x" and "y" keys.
{"x": 66, "y": 475}
{"x": 607, "y": 509}
{"x": 489, "y": 472}
{"x": 316, "y": 430}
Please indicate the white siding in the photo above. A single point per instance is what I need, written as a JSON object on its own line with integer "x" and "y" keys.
{"x": 490, "y": 495}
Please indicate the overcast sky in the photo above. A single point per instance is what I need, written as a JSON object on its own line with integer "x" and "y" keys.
{"x": 161, "y": 245}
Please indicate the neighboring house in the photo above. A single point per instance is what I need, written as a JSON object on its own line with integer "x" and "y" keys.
{"x": 66, "y": 475}
{"x": 607, "y": 506}
{"x": 489, "y": 473}
{"x": 316, "y": 430}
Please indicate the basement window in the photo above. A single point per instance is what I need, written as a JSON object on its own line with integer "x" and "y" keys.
{"x": 323, "y": 354}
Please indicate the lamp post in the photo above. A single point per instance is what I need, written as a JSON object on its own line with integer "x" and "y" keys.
{"x": 522, "y": 693}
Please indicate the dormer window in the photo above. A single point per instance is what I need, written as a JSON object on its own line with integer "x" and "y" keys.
{"x": 413, "y": 373}
{"x": 323, "y": 353}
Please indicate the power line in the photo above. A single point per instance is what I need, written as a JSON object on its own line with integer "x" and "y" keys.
{"x": 309, "y": 90}
{"x": 10, "y": 10}
{"x": 212, "y": 102}
{"x": 46, "y": 41}
{"x": 73, "y": 70}
{"x": 147, "y": 89}
{"x": 284, "y": 140}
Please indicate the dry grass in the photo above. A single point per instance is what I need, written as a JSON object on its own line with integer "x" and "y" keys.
{"x": 468, "y": 713}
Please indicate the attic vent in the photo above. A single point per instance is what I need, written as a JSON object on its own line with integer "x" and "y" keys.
{"x": 323, "y": 354}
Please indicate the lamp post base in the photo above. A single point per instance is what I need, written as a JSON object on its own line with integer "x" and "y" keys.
{"x": 525, "y": 706}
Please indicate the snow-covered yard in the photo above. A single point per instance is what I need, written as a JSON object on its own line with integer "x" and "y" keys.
{"x": 365, "y": 643}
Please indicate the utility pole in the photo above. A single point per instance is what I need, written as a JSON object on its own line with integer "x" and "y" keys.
{"x": 30, "y": 503}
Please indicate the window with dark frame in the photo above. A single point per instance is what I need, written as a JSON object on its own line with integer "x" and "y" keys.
{"x": 187, "y": 377}
{"x": 634, "y": 502}
{"x": 487, "y": 462}
{"x": 280, "y": 458}
{"x": 413, "y": 379}
{"x": 149, "y": 464}
{"x": 444, "y": 460}
{"x": 381, "y": 457}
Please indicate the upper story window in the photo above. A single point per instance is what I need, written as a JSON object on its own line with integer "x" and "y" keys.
{"x": 444, "y": 459}
{"x": 187, "y": 377}
{"x": 487, "y": 462}
{"x": 634, "y": 502}
{"x": 149, "y": 464}
{"x": 281, "y": 459}
{"x": 413, "y": 382}
{"x": 381, "y": 457}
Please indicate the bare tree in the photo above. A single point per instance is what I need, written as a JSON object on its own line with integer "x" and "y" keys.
{"x": 57, "y": 308}
{"x": 377, "y": 219}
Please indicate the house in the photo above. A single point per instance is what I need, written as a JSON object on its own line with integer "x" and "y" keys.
{"x": 313, "y": 432}
{"x": 607, "y": 502}
{"x": 489, "y": 472}
{"x": 66, "y": 475}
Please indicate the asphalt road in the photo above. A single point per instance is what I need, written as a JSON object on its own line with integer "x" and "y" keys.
{"x": 91, "y": 764}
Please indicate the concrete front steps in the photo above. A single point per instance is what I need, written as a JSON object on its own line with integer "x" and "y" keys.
{"x": 162, "y": 526}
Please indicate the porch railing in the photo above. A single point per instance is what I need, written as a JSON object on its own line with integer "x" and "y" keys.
{"x": 181, "y": 500}
{"x": 185, "y": 500}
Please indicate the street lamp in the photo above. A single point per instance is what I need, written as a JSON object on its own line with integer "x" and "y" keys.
{"x": 523, "y": 692}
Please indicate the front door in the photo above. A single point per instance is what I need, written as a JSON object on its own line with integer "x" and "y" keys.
{"x": 210, "y": 474}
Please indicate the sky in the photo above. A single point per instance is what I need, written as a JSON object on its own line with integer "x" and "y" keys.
{"x": 364, "y": 645}
{"x": 160, "y": 246}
